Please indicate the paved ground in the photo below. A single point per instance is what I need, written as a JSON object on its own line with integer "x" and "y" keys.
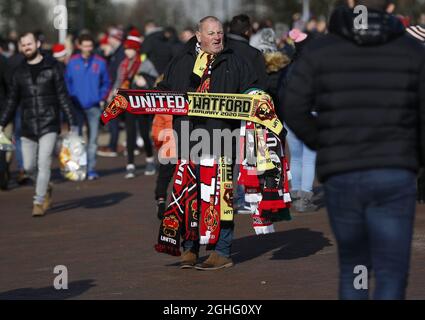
{"x": 104, "y": 231}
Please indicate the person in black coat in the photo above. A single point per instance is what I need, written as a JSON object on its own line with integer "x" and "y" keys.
{"x": 39, "y": 86}
{"x": 368, "y": 88}
{"x": 4, "y": 165}
{"x": 157, "y": 47}
{"x": 238, "y": 40}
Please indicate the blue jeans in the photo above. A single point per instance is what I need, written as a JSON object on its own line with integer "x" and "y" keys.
{"x": 302, "y": 165}
{"x": 223, "y": 246}
{"x": 17, "y": 134}
{"x": 372, "y": 213}
{"x": 92, "y": 117}
{"x": 37, "y": 156}
{"x": 239, "y": 196}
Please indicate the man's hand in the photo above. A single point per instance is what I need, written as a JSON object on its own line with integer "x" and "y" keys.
{"x": 140, "y": 81}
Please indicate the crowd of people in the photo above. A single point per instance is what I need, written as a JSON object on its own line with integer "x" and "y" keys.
{"x": 352, "y": 99}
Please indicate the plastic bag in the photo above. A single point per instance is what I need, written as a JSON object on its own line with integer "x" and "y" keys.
{"x": 73, "y": 157}
{"x": 5, "y": 143}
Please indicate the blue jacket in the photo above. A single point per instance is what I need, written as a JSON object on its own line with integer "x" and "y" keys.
{"x": 87, "y": 80}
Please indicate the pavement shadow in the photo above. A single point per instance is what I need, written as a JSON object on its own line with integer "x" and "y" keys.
{"x": 75, "y": 289}
{"x": 120, "y": 170}
{"x": 289, "y": 245}
{"x": 94, "y": 202}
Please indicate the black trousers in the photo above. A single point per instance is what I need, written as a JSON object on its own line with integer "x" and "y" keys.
{"x": 165, "y": 175}
{"x": 144, "y": 122}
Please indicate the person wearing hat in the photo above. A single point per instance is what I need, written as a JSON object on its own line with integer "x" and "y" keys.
{"x": 59, "y": 52}
{"x": 135, "y": 71}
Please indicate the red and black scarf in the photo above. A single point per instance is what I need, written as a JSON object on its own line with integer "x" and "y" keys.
{"x": 181, "y": 218}
{"x": 127, "y": 71}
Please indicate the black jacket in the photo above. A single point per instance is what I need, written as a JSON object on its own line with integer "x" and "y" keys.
{"x": 158, "y": 50}
{"x": 114, "y": 61}
{"x": 251, "y": 56}
{"x": 40, "y": 101}
{"x": 3, "y": 83}
{"x": 368, "y": 87}
{"x": 230, "y": 74}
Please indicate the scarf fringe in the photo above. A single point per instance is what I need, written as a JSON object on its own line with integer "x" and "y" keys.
{"x": 191, "y": 235}
{"x": 161, "y": 248}
{"x": 205, "y": 239}
{"x": 264, "y": 229}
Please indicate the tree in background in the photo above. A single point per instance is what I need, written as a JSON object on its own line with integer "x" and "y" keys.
{"x": 97, "y": 15}
{"x": 20, "y": 15}
{"x": 283, "y": 11}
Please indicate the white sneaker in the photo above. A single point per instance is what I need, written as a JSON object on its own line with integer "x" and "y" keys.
{"x": 131, "y": 171}
{"x": 150, "y": 169}
{"x": 139, "y": 142}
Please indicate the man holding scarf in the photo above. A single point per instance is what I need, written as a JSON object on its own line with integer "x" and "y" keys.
{"x": 207, "y": 65}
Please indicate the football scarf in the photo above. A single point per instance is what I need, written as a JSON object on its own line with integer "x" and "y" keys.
{"x": 181, "y": 217}
{"x": 202, "y": 69}
{"x": 266, "y": 191}
{"x": 256, "y": 108}
{"x": 210, "y": 201}
{"x": 127, "y": 70}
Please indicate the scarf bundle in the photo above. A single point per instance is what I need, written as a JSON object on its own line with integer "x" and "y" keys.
{"x": 201, "y": 202}
{"x": 266, "y": 180}
{"x": 181, "y": 217}
{"x": 185, "y": 217}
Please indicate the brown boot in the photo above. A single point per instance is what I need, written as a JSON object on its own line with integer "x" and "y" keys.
{"x": 215, "y": 262}
{"x": 37, "y": 210}
{"x": 188, "y": 259}
{"x": 48, "y": 198}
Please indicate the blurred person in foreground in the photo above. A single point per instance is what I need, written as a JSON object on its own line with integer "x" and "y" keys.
{"x": 368, "y": 86}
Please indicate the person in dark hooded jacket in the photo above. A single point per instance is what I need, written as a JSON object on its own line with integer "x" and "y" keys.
{"x": 368, "y": 88}
{"x": 157, "y": 47}
{"x": 238, "y": 40}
